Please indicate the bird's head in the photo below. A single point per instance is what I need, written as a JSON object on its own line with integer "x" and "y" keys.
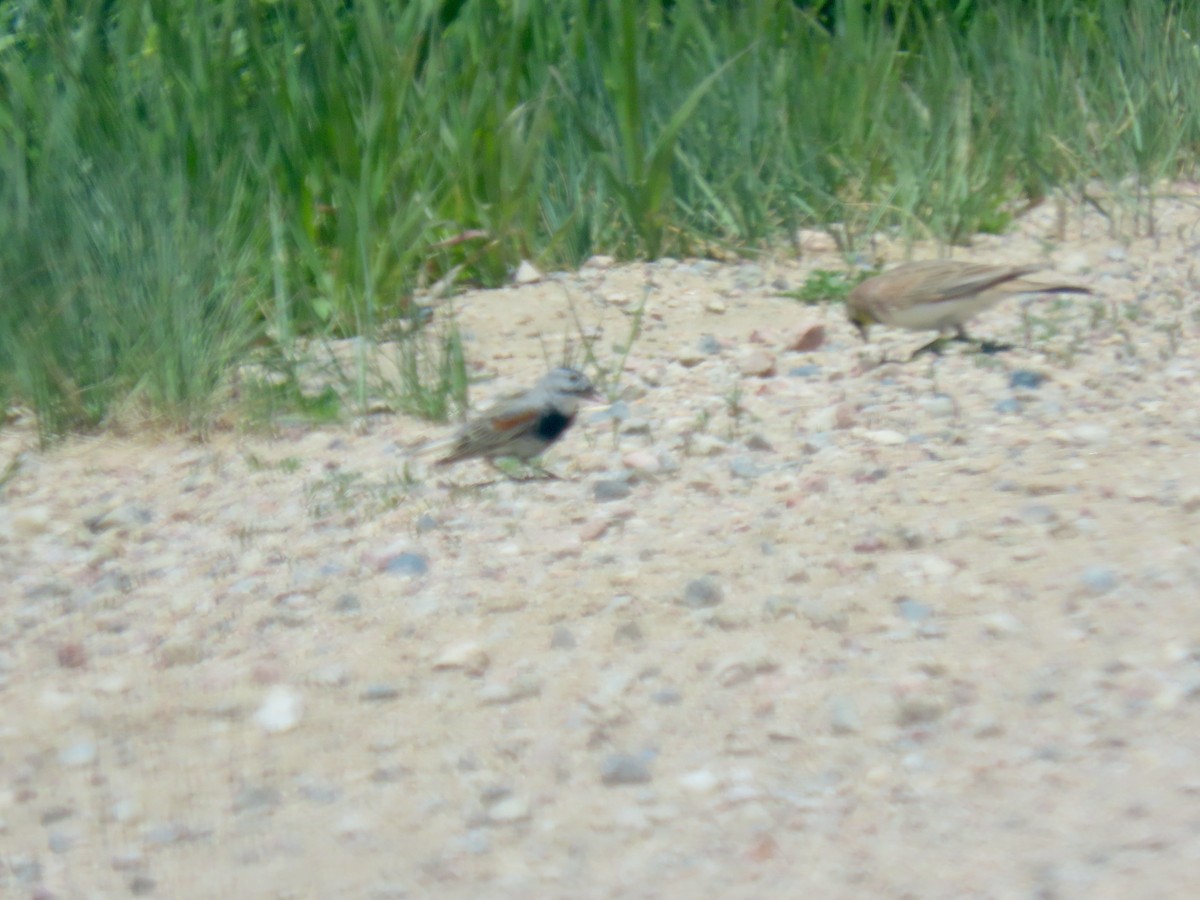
{"x": 860, "y": 319}
{"x": 568, "y": 383}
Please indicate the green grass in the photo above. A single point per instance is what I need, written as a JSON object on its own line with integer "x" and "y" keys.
{"x": 823, "y": 286}
{"x": 188, "y": 183}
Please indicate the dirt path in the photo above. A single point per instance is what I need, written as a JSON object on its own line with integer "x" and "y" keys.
{"x": 800, "y": 628}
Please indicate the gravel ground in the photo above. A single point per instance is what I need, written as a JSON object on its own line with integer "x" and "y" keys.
{"x": 792, "y": 624}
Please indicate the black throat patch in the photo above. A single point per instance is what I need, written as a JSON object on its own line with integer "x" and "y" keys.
{"x": 551, "y": 426}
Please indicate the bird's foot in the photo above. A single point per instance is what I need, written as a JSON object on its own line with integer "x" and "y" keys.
{"x": 990, "y": 347}
{"x": 532, "y": 470}
{"x": 935, "y": 347}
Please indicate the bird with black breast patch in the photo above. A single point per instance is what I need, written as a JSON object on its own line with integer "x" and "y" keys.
{"x": 520, "y": 426}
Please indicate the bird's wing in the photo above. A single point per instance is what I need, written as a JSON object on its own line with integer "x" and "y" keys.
{"x": 496, "y": 426}
{"x": 512, "y": 422}
{"x": 489, "y": 429}
{"x": 946, "y": 282}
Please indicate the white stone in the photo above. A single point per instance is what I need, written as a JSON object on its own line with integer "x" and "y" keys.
{"x": 281, "y": 710}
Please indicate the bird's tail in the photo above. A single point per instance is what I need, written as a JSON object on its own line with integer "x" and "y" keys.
{"x": 1022, "y": 286}
{"x": 428, "y": 448}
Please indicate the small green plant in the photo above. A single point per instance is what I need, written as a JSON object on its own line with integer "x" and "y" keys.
{"x": 431, "y": 373}
{"x": 734, "y": 408}
{"x": 276, "y": 391}
{"x": 255, "y": 463}
{"x": 607, "y": 377}
{"x": 823, "y": 286}
{"x": 349, "y": 492}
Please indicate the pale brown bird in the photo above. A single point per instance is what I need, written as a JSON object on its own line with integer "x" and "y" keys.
{"x": 942, "y": 296}
{"x": 521, "y": 426}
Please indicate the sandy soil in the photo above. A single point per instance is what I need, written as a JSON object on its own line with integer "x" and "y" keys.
{"x": 791, "y": 625}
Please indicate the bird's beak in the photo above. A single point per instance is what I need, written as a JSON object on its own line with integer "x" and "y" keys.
{"x": 862, "y": 330}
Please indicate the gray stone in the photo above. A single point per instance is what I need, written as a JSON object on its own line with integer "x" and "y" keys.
{"x": 625, "y": 768}
{"x": 703, "y": 593}
{"x": 376, "y": 692}
{"x": 409, "y": 564}
{"x": 843, "y": 716}
{"x": 912, "y": 610}
{"x": 81, "y": 753}
{"x": 607, "y": 489}
{"x": 809, "y": 371}
{"x": 1026, "y": 379}
{"x": 745, "y": 467}
{"x": 1099, "y": 580}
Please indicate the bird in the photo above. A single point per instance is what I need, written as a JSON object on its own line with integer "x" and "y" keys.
{"x": 521, "y": 426}
{"x": 942, "y": 296}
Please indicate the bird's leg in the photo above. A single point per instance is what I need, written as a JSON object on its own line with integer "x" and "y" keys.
{"x": 542, "y": 472}
{"x": 505, "y": 471}
{"x": 934, "y": 346}
{"x": 532, "y": 470}
{"x": 985, "y": 346}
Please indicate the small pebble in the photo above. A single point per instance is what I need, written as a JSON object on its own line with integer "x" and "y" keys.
{"x": 807, "y": 339}
{"x": 758, "y": 442}
{"x": 1090, "y": 435}
{"x": 469, "y": 656}
{"x": 511, "y": 690}
{"x": 142, "y": 884}
{"x": 281, "y": 710}
{"x": 917, "y": 711}
{"x": 808, "y": 371}
{"x": 78, "y": 754}
{"x": 912, "y": 610}
{"x": 1002, "y": 624}
{"x": 843, "y": 716}
{"x": 1025, "y": 379}
{"x": 702, "y": 593}
{"x": 607, "y": 489}
{"x": 885, "y": 437}
{"x": 1008, "y": 406}
{"x": 562, "y": 639}
{"x": 58, "y": 842}
{"x": 256, "y": 799}
{"x": 508, "y": 810}
{"x": 409, "y": 564}
{"x": 625, "y": 768}
{"x": 744, "y": 467}
{"x": 1099, "y": 580}
{"x": 527, "y": 273}
{"x": 642, "y": 461}
{"x": 940, "y": 405}
{"x": 628, "y": 633}
{"x": 757, "y": 364}
{"x": 57, "y": 814}
{"x": 377, "y": 692}
{"x": 776, "y": 607}
{"x": 701, "y": 781}
{"x": 347, "y": 603}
